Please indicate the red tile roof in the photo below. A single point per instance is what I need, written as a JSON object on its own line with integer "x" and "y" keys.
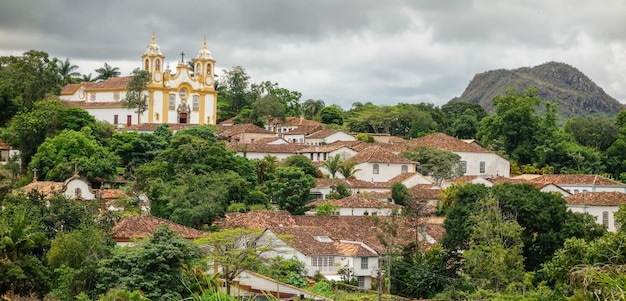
{"x": 266, "y": 148}
{"x": 113, "y": 83}
{"x": 327, "y": 148}
{"x": 447, "y": 143}
{"x": 597, "y": 198}
{"x": 425, "y": 192}
{"x": 358, "y": 200}
{"x": 137, "y": 227}
{"x": 593, "y": 180}
{"x": 375, "y": 154}
{"x": 242, "y": 128}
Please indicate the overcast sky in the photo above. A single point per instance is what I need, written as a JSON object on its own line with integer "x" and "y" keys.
{"x": 339, "y": 51}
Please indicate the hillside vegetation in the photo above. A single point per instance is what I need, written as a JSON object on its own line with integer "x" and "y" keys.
{"x": 572, "y": 91}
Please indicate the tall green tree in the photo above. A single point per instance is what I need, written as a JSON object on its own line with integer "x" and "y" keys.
{"x": 333, "y": 164}
{"x": 514, "y": 127}
{"x": 107, "y": 71}
{"x": 237, "y": 250}
{"x": 302, "y": 162}
{"x": 331, "y": 115}
{"x": 290, "y": 188}
{"x": 25, "y": 80}
{"x": 311, "y": 107}
{"x": 592, "y": 131}
{"x": 436, "y": 164}
{"x": 494, "y": 258}
{"x": 137, "y": 95}
{"x": 155, "y": 267}
{"x": 58, "y": 157}
{"x": 68, "y": 72}
{"x": 235, "y": 93}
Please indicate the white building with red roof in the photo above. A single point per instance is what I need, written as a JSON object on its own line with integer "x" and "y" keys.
{"x": 602, "y": 205}
{"x": 376, "y": 164}
{"x": 476, "y": 160}
{"x": 180, "y": 97}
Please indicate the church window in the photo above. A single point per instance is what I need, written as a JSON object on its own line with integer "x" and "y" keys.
{"x": 208, "y": 69}
{"x": 172, "y": 102}
{"x": 147, "y": 65}
{"x": 116, "y": 96}
{"x": 197, "y": 69}
{"x": 158, "y": 65}
{"x": 195, "y": 102}
{"x": 92, "y": 97}
{"x": 376, "y": 169}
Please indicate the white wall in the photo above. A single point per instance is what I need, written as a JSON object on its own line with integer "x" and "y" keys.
{"x": 386, "y": 171}
{"x": 72, "y": 185}
{"x": 597, "y": 211}
{"x": 494, "y": 164}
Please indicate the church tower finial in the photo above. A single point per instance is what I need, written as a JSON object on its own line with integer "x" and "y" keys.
{"x": 153, "y": 39}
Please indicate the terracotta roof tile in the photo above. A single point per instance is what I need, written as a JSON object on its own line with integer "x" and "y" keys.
{"x": 113, "y": 194}
{"x": 257, "y": 219}
{"x": 48, "y": 188}
{"x": 448, "y": 143}
{"x": 597, "y": 198}
{"x": 322, "y": 134}
{"x": 242, "y": 128}
{"x": 358, "y": 200}
{"x": 425, "y": 192}
{"x": 393, "y": 148}
{"x": 327, "y": 148}
{"x": 266, "y": 148}
{"x": 136, "y": 227}
{"x": 375, "y": 154}
{"x": 587, "y": 179}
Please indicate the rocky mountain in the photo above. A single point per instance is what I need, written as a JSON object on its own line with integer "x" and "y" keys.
{"x": 572, "y": 91}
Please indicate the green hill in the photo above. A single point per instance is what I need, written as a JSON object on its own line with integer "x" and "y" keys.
{"x": 572, "y": 91}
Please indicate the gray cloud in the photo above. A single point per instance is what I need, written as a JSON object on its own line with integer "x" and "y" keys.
{"x": 339, "y": 51}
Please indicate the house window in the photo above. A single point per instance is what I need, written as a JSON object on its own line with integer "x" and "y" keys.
{"x": 129, "y": 120}
{"x": 605, "y": 218}
{"x": 375, "y": 171}
{"x": 405, "y": 168}
{"x": 616, "y": 223}
{"x": 364, "y": 261}
{"x": 172, "y": 102}
{"x": 322, "y": 262}
{"x": 196, "y": 102}
{"x": 482, "y": 166}
{"x": 361, "y": 281}
{"x": 116, "y": 119}
{"x": 464, "y": 166}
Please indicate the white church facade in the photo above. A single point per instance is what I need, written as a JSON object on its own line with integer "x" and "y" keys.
{"x": 185, "y": 96}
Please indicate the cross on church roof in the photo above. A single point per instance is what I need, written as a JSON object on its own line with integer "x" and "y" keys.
{"x": 182, "y": 57}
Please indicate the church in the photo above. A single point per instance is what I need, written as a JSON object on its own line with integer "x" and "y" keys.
{"x": 186, "y": 96}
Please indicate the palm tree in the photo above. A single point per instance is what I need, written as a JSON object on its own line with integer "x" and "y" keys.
{"x": 311, "y": 107}
{"x": 107, "y": 72}
{"x": 86, "y": 78}
{"x": 332, "y": 165}
{"x": 264, "y": 167}
{"x": 18, "y": 235}
{"x": 347, "y": 169}
{"x": 68, "y": 72}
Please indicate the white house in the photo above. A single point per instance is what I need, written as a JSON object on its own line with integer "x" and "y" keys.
{"x": 324, "y": 186}
{"x": 7, "y": 152}
{"x": 378, "y": 165}
{"x": 319, "y": 153}
{"x": 602, "y": 205}
{"x": 361, "y": 204}
{"x": 579, "y": 183}
{"x": 327, "y": 137}
{"x": 327, "y": 255}
{"x": 475, "y": 159}
{"x": 183, "y": 96}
